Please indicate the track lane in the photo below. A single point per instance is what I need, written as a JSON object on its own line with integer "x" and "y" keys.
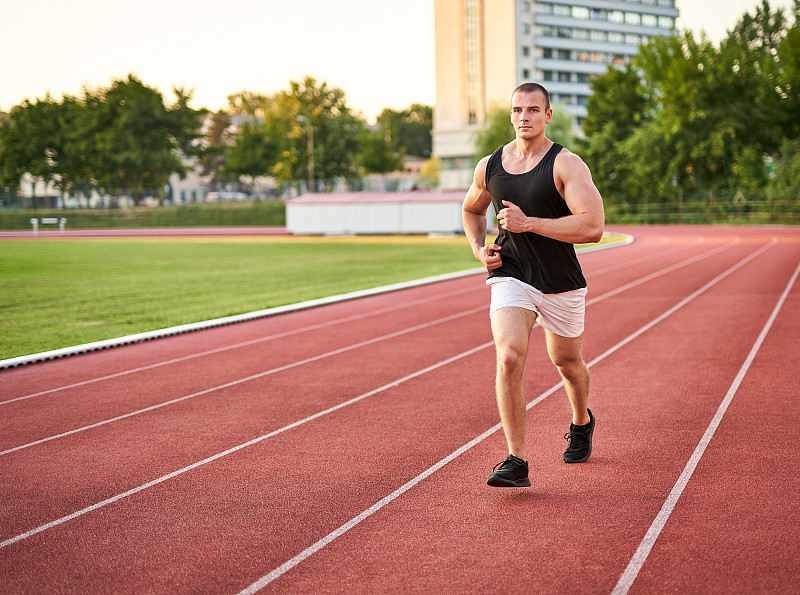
{"x": 108, "y": 446}
{"x": 581, "y": 500}
{"x": 154, "y": 394}
{"x": 477, "y": 406}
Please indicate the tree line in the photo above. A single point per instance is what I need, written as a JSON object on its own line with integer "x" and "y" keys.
{"x": 124, "y": 138}
{"x": 688, "y": 119}
{"x": 692, "y": 118}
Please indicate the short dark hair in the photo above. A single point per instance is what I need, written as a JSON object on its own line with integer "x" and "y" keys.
{"x": 533, "y": 88}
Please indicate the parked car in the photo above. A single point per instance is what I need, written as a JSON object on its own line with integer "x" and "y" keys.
{"x": 226, "y": 196}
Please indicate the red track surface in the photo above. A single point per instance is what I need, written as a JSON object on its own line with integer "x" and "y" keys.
{"x": 345, "y": 449}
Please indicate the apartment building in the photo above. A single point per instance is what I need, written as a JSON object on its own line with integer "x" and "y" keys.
{"x": 485, "y": 48}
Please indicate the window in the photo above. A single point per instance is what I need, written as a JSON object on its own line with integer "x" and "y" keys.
{"x": 632, "y": 18}
{"x": 526, "y": 28}
{"x": 561, "y": 10}
{"x": 631, "y": 39}
{"x": 548, "y": 75}
{"x": 526, "y": 7}
{"x": 598, "y": 36}
{"x": 583, "y": 99}
{"x": 547, "y": 53}
{"x": 616, "y": 16}
{"x": 565, "y": 77}
{"x": 564, "y": 32}
{"x": 582, "y": 77}
{"x": 580, "y": 12}
{"x": 526, "y": 74}
{"x": 564, "y": 55}
{"x": 526, "y": 51}
{"x": 580, "y": 34}
{"x": 616, "y": 38}
{"x": 649, "y": 20}
{"x": 665, "y": 22}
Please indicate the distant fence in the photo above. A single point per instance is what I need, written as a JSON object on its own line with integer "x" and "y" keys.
{"x": 756, "y": 206}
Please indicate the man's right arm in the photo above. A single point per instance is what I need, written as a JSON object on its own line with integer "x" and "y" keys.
{"x": 473, "y": 216}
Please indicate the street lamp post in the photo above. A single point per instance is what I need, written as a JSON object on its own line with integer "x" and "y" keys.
{"x": 310, "y": 152}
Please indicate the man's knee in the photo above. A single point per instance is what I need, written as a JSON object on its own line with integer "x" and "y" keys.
{"x": 510, "y": 360}
{"x": 571, "y": 368}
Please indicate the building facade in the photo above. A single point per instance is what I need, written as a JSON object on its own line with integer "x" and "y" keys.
{"x": 485, "y": 48}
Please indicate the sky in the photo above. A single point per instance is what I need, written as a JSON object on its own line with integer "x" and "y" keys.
{"x": 380, "y": 53}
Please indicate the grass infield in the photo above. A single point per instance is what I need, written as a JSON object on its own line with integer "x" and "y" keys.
{"x": 60, "y": 293}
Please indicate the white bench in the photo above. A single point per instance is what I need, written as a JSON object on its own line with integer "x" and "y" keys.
{"x": 60, "y": 221}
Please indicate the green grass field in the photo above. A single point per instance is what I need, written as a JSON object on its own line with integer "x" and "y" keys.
{"x": 61, "y": 293}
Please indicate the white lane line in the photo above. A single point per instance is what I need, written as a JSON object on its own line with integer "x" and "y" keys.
{"x": 289, "y": 333}
{"x": 419, "y": 478}
{"x": 311, "y": 328}
{"x": 289, "y": 309}
{"x": 239, "y": 447}
{"x": 206, "y": 324}
{"x": 249, "y": 378}
{"x": 599, "y": 298}
{"x": 646, "y": 258}
{"x": 289, "y": 564}
{"x": 643, "y": 551}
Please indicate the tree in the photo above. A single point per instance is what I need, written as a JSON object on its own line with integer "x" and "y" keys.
{"x": 139, "y": 142}
{"x": 29, "y": 141}
{"x": 257, "y": 147}
{"x": 559, "y": 129}
{"x": 409, "y": 130}
{"x": 616, "y": 108}
{"x": 217, "y": 142}
{"x": 378, "y": 154}
{"x": 495, "y": 132}
{"x": 333, "y": 128}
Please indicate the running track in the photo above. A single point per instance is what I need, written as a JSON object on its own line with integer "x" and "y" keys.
{"x": 344, "y": 449}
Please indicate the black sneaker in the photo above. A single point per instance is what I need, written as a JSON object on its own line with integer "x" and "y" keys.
{"x": 580, "y": 441}
{"x": 513, "y": 473}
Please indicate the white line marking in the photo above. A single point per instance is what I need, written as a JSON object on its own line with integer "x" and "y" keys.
{"x": 206, "y": 324}
{"x": 239, "y": 447}
{"x": 289, "y": 564}
{"x": 312, "y": 327}
{"x": 647, "y": 258}
{"x": 249, "y": 378}
{"x": 643, "y": 551}
{"x": 376, "y": 507}
{"x": 620, "y": 289}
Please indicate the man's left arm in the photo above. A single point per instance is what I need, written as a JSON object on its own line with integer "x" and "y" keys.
{"x": 574, "y": 181}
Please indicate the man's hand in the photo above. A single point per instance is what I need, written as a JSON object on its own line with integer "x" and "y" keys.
{"x": 512, "y": 218}
{"x": 490, "y": 256}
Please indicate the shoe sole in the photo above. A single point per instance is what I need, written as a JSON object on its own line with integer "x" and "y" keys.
{"x": 496, "y": 482}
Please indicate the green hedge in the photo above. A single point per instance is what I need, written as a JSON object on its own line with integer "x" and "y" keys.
{"x": 259, "y": 213}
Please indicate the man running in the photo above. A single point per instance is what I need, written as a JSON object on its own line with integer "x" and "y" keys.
{"x": 545, "y": 202}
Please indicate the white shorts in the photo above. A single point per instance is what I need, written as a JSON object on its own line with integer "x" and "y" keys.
{"x": 561, "y": 313}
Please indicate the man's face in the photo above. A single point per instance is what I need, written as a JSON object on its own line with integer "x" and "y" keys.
{"x": 528, "y": 114}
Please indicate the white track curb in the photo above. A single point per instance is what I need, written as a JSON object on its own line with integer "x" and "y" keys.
{"x": 206, "y": 324}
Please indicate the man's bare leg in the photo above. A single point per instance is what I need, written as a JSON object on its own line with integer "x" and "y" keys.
{"x": 511, "y": 328}
{"x": 566, "y": 354}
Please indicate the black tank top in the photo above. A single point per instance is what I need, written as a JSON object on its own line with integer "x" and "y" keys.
{"x": 548, "y": 265}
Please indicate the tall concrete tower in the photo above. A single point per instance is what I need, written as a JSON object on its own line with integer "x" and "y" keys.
{"x": 485, "y": 48}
